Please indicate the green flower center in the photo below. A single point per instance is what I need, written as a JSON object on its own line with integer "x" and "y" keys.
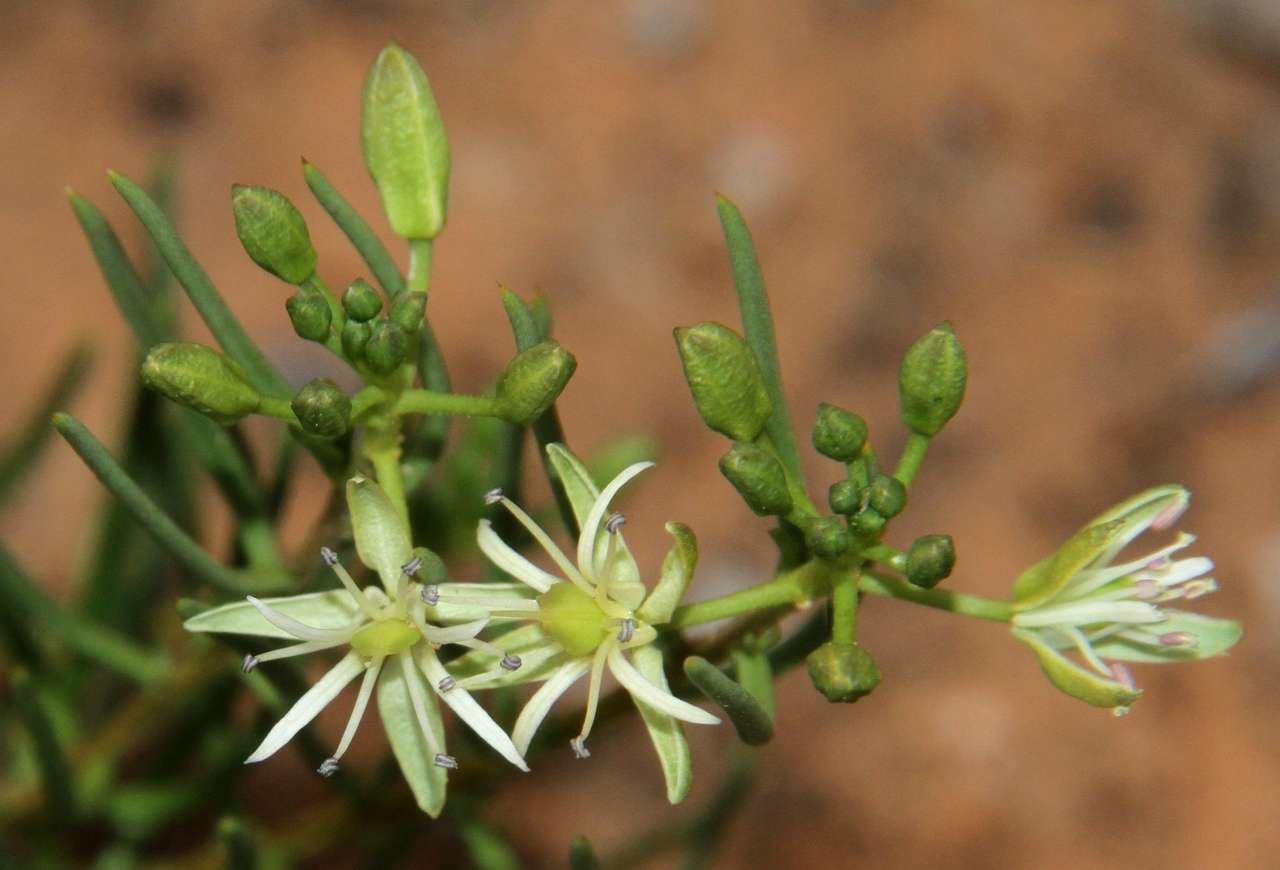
{"x": 384, "y": 638}
{"x": 573, "y": 619}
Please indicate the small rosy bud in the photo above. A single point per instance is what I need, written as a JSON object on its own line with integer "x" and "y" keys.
{"x": 323, "y": 409}
{"x": 839, "y": 434}
{"x": 887, "y": 496}
{"x": 360, "y": 301}
{"x": 845, "y": 497}
{"x": 386, "y": 348}
{"x": 931, "y": 381}
{"x": 531, "y": 382}
{"x": 725, "y": 380}
{"x": 310, "y": 315}
{"x": 355, "y": 336}
{"x": 273, "y": 233}
{"x": 758, "y": 477}
{"x": 867, "y": 521}
{"x": 842, "y": 672}
{"x": 930, "y": 560}
{"x": 200, "y": 378}
{"x": 407, "y": 310}
{"x": 827, "y": 537}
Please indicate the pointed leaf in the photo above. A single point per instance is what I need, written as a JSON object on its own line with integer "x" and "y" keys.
{"x": 677, "y": 572}
{"x": 416, "y": 758}
{"x": 750, "y": 719}
{"x": 665, "y": 731}
{"x": 1078, "y": 682}
{"x": 324, "y": 610}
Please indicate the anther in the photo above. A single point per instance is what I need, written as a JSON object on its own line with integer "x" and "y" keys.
{"x": 328, "y": 767}
{"x": 493, "y": 496}
{"x": 1168, "y": 516}
{"x": 615, "y": 522}
{"x": 250, "y": 662}
{"x": 579, "y": 747}
{"x": 446, "y": 684}
{"x": 431, "y": 595}
{"x": 330, "y": 557}
{"x": 411, "y": 567}
{"x": 1146, "y": 589}
{"x": 1123, "y": 677}
{"x": 510, "y": 663}
{"x": 1177, "y": 638}
{"x": 627, "y": 629}
{"x": 448, "y": 762}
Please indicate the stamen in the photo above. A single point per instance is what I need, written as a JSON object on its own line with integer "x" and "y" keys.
{"x": 493, "y": 496}
{"x": 329, "y": 556}
{"x": 510, "y": 663}
{"x": 615, "y": 522}
{"x": 431, "y": 595}
{"x": 250, "y": 662}
{"x": 448, "y": 762}
{"x": 328, "y": 767}
{"x": 579, "y": 747}
{"x": 1169, "y": 515}
{"x": 1193, "y": 589}
{"x": 1146, "y": 589}
{"x": 628, "y": 628}
{"x": 1123, "y": 677}
{"x": 411, "y": 567}
{"x": 1177, "y": 638}
{"x": 446, "y": 684}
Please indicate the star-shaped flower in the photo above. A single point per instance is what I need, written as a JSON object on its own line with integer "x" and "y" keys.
{"x": 392, "y": 647}
{"x": 1080, "y": 600}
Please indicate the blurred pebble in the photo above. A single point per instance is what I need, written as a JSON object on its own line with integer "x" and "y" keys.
{"x": 665, "y": 29}
{"x": 754, "y": 169}
{"x": 1243, "y": 352}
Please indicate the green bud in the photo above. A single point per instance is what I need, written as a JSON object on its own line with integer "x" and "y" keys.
{"x": 310, "y": 315}
{"x": 845, "y": 497}
{"x": 725, "y": 380}
{"x": 533, "y": 380}
{"x": 273, "y": 233}
{"x": 360, "y": 301}
{"x": 758, "y": 477}
{"x": 404, "y": 145}
{"x": 930, "y": 560}
{"x": 842, "y": 672}
{"x": 839, "y": 434}
{"x": 867, "y": 521}
{"x": 931, "y": 381}
{"x": 827, "y": 537}
{"x": 323, "y": 409}
{"x": 386, "y": 348}
{"x": 200, "y": 378}
{"x": 355, "y": 336}
{"x": 407, "y": 310}
{"x": 887, "y": 496}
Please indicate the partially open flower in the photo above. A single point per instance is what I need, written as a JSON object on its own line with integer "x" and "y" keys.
{"x": 392, "y": 647}
{"x": 1080, "y": 600}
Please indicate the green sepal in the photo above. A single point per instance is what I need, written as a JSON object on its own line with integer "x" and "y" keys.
{"x": 1214, "y": 637}
{"x": 323, "y": 409}
{"x": 665, "y": 731}
{"x": 842, "y": 672}
{"x": 417, "y": 762}
{"x": 382, "y": 537}
{"x": 580, "y": 489}
{"x": 1045, "y": 579}
{"x": 1076, "y": 681}
{"x": 930, "y": 560}
{"x": 758, "y": 477}
{"x": 332, "y": 609}
{"x": 360, "y": 301}
{"x": 677, "y": 572}
{"x": 310, "y": 315}
{"x": 273, "y": 233}
{"x": 750, "y": 719}
{"x": 387, "y": 347}
{"x": 724, "y": 378}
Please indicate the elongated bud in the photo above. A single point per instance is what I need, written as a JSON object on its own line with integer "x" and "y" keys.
{"x": 407, "y": 309}
{"x": 310, "y": 315}
{"x": 405, "y": 148}
{"x": 931, "y": 381}
{"x": 887, "y": 496}
{"x": 725, "y": 380}
{"x": 930, "y": 560}
{"x": 355, "y": 336}
{"x": 839, "y": 434}
{"x": 827, "y": 537}
{"x": 386, "y": 348}
{"x": 845, "y": 497}
{"x": 533, "y": 380}
{"x": 758, "y": 477}
{"x": 273, "y": 233}
{"x": 200, "y": 378}
{"x": 842, "y": 672}
{"x": 323, "y": 409}
{"x": 360, "y": 301}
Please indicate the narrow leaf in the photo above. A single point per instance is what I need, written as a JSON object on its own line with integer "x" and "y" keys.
{"x": 354, "y": 227}
{"x": 21, "y": 454}
{"x": 54, "y": 770}
{"x": 752, "y": 721}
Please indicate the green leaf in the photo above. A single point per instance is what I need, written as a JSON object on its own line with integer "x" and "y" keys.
{"x": 22, "y": 453}
{"x": 332, "y": 609}
{"x": 417, "y": 761}
{"x": 382, "y": 538}
{"x": 756, "y": 676}
{"x": 677, "y": 572}
{"x": 1213, "y": 637}
{"x": 581, "y": 855}
{"x": 579, "y": 488}
{"x": 1076, "y": 681}
{"x": 750, "y": 719}
{"x": 665, "y": 731}
{"x": 357, "y": 229}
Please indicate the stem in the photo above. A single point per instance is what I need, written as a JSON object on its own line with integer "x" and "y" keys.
{"x": 419, "y": 264}
{"x": 382, "y": 448}
{"x": 912, "y": 457}
{"x": 844, "y": 606}
{"x": 957, "y": 602}
{"x": 428, "y": 402}
{"x": 803, "y": 584}
{"x": 887, "y": 555}
{"x": 278, "y": 408}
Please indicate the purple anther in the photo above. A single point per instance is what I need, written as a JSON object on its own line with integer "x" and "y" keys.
{"x": 329, "y": 556}
{"x": 448, "y": 762}
{"x": 510, "y": 663}
{"x": 615, "y": 522}
{"x": 493, "y": 496}
{"x": 250, "y": 662}
{"x": 431, "y": 595}
{"x": 579, "y": 747}
{"x": 446, "y": 684}
{"x": 328, "y": 767}
{"x": 412, "y": 566}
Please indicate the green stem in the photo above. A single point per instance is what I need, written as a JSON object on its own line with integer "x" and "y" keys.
{"x": 362, "y": 236}
{"x": 258, "y": 539}
{"x": 844, "y": 607}
{"x": 382, "y": 449}
{"x": 976, "y": 606}
{"x": 54, "y": 770}
{"x": 419, "y": 264}
{"x": 887, "y": 555}
{"x": 912, "y": 457}
{"x": 811, "y": 580}
{"x": 428, "y": 402}
{"x": 281, "y": 409}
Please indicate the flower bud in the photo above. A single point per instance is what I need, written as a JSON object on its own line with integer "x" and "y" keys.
{"x": 758, "y": 477}
{"x": 827, "y": 537}
{"x": 323, "y": 409}
{"x": 725, "y": 380}
{"x": 930, "y": 560}
{"x": 360, "y": 301}
{"x": 931, "y": 381}
{"x": 839, "y": 434}
{"x": 867, "y": 521}
{"x": 842, "y": 672}
{"x": 533, "y": 380}
{"x": 386, "y": 348}
{"x": 355, "y": 336}
{"x": 407, "y": 310}
{"x": 310, "y": 315}
{"x": 845, "y": 497}
{"x": 404, "y": 144}
{"x": 887, "y": 496}
{"x": 200, "y": 378}
{"x": 273, "y": 233}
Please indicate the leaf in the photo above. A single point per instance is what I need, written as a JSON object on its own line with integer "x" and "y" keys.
{"x": 750, "y": 719}
{"x": 416, "y": 758}
{"x": 677, "y": 572}
{"x": 665, "y": 731}
{"x": 324, "y": 610}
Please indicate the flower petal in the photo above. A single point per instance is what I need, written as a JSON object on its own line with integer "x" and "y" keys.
{"x": 467, "y": 602}
{"x": 665, "y": 731}
{"x": 588, "y": 537}
{"x": 301, "y": 630}
{"x": 677, "y": 571}
{"x": 413, "y": 752}
{"x": 1213, "y": 637}
{"x": 467, "y": 709}
{"x": 540, "y": 704}
{"x": 1075, "y": 680}
{"x": 576, "y": 480}
{"x": 382, "y": 536}
{"x": 306, "y": 707}
{"x": 452, "y": 633}
{"x": 509, "y": 561}
{"x": 322, "y": 610}
{"x": 1088, "y": 612}
{"x": 662, "y": 701}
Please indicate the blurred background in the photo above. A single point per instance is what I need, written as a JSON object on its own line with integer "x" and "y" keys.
{"x": 1090, "y": 191}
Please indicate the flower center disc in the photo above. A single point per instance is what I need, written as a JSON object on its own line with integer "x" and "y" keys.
{"x": 384, "y": 638}
{"x": 572, "y": 618}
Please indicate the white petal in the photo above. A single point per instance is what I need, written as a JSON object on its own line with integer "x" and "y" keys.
{"x": 297, "y": 649}
{"x": 418, "y": 698}
{"x": 362, "y": 701}
{"x": 301, "y": 630}
{"x": 665, "y": 702}
{"x": 509, "y": 561}
{"x": 310, "y": 704}
{"x": 331, "y": 609}
{"x": 591, "y": 527}
{"x": 1088, "y": 613}
{"x": 467, "y": 709}
{"x": 452, "y": 633}
{"x": 540, "y": 704}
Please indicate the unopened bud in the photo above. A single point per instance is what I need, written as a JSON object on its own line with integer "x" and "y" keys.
{"x": 842, "y": 672}
{"x": 273, "y": 233}
{"x": 407, "y": 309}
{"x": 355, "y": 336}
{"x": 200, "y": 378}
{"x": 845, "y": 497}
{"x": 930, "y": 560}
{"x": 323, "y": 409}
{"x": 827, "y": 537}
{"x": 360, "y": 301}
{"x": 867, "y": 521}
{"x": 310, "y": 315}
{"x": 531, "y": 382}
{"x": 931, "y": 381}
{"x": 386, "y": 348}
{"x": 839, "y": 434}
{"x": 758, "y": 477}
{"x": 887, "y": 496}
{"x": 725, "y": 380}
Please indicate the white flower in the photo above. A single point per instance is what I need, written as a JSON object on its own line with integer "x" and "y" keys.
{"x": 1080, "y": 600}
{"x": 392, "y": 649}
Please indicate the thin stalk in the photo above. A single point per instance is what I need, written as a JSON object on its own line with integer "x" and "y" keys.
{"x": 809, "y": 581}
{"x": 419, "y": 265}
{"x": 429, "y": 402}
{"x": 844, "y": 607}
{"x": 913, "y": 453}
{"x": 976, "y": 606}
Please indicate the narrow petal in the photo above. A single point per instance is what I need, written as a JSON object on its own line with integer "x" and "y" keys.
{"x": 590, "y": 531}
{"x": 331, "y": 609}
{"x": 544, "y": 540}
{"x": 467, "y": 709}
{"x": 301, "y": 630}
{"x": 435, "y": 742}
{"x": 1088, "y": 613}
{"x": 308, "y": 706}
{"x": 664, "y": 702}
{"x": 362, "y": 702}
{"x": 540, "y": 704}
{"x": 509, "y": 561}
{"x": 452, "y": 633}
